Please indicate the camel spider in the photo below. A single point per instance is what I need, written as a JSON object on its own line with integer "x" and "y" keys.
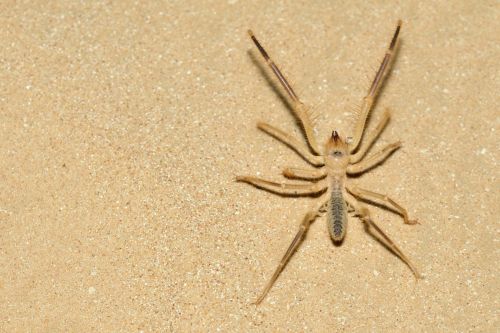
{"x": 340, "y": 158}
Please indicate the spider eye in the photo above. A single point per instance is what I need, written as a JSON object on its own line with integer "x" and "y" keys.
{"x": 337, "y": 153}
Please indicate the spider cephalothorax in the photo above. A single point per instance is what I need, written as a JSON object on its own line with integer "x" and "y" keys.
{"x": 336, "y": 153}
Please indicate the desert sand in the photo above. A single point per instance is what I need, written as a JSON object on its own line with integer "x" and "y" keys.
{"x": 123, "y": 126}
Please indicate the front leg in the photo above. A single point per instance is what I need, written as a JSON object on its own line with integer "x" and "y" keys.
{"x": 355, "y": 158}
{"x": 372, "y": 161}
{"x": 291, "y": 142}
{"x": 284, "y": 188}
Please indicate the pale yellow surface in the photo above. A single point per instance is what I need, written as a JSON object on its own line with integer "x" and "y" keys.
{"x": 123, "y": 125}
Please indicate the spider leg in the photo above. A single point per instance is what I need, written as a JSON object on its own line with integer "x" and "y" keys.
{"x": 373, "y": 160}
{"x": 292, "y": 143}
{"x": 301, "y": 111}
{"x": 304, "y": 226}
{"x": 306, "y": 174}
{"x": 374, "y": 89}
{"x": 364, "y": 214}
{"x": 354, "y": 158}
{"x": 284, "y": 188}
{"x": 369, "y": 195}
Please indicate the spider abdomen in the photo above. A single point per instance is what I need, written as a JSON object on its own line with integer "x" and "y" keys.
{"x": 337, "y": 214}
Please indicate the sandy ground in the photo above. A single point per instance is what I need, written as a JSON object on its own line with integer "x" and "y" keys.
{"x": 123, "y": 125}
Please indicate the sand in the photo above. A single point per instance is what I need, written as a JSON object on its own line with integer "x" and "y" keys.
{"x": 124, "y": 124}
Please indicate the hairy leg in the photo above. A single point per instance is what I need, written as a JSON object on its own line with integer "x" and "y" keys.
{"x": 369, "y": 195}
{"x": 299, "y": 173}
{"x": 301, "y": 111}
{"x": 374, "y": 89}
{"x": 373, "y": 160}
{"x": 284, "y": 188}
{"x": 364, "y": 214}
{"x": 291, "y": 142}
{"x": 304, "y": 226}
{"x": 370, "y": 139}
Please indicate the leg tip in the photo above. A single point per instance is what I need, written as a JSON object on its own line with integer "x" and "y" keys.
{"x": 261, "y": 125}
{"x": 397, "y": 145}
{"x": 287, "y": 173}
{"x": 412, "y": 222}
{"x": 259, "y": 300}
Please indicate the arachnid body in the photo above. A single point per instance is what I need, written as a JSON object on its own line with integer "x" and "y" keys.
{"x": 340, "y": 158}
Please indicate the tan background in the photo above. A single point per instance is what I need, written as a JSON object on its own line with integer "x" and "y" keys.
{"x": 122, "y": 126}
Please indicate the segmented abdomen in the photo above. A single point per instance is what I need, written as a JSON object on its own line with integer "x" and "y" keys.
{"x": 337, "y": 215}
